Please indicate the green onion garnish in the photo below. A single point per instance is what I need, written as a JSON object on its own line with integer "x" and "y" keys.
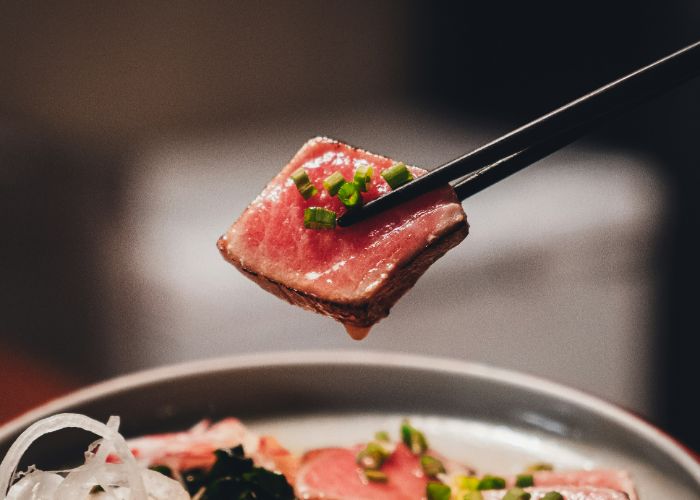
{"x": 319, "y": 218}
{"x": 349, "y": 195}
{"x": 524, "y": 480}
{"x": 333, "y": 183}
{"x": 397, "y": 175}
{"x": 382, "y": 436}
{"x": 308, "y": 190}
{"x": 413, "y": 438}
{"x": 300, "y": 177}
{"x": 363, "y": 176}
{"x": 376, "y": 476}
{"x": 473, "y": 495}
{"x": 372, "y": 456}
{"x": 437, "y": 491}
{"x": 491, "y": 483}
{"x": 467, "y": 482}
{"x": 539, "y": 466}
{"x": 431, "y": 466}
{"x": 303, "y": 183}
{"x": 516, "y": 494}
{"x": 553, "y": 495}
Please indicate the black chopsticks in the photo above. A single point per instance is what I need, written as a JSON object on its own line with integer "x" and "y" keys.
{"x": 491, "y": 174}
{"x": 544, "y": 135}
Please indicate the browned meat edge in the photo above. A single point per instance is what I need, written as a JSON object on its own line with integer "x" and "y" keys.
{"x": 369, "y": 310}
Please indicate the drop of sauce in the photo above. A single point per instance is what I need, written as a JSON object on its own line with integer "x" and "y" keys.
{"x": 357, "y": 332}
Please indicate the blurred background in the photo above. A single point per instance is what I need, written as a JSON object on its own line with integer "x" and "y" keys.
{"x": 132, "y": 134}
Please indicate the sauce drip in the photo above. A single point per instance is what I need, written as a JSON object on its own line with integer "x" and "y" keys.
{"x": 357, "y": 332}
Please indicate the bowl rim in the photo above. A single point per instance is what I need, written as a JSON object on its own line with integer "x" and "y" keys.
{"x": 576, "y": 397}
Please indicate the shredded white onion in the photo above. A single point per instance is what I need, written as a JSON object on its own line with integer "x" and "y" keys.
{"x": 120, "y": 481}
{"x": 37, "y": 484}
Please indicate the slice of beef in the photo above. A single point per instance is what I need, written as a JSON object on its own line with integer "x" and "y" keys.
{"x": 612, "y": 479}
{"x": 353, "y": 274}
{"x": 568, "y": 492}
{"x": 194, "y": 448}
{"x": 332, "y": 473}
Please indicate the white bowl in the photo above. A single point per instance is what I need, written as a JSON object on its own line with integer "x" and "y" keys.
{"x": 495, "y": 420}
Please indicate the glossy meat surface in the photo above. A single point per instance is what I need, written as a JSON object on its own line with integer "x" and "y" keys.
{"x": 600, "y": 478}
{"x": 354, "y": 274}
{"x": 332, "y": 473}
{"x": 568, "y": 492}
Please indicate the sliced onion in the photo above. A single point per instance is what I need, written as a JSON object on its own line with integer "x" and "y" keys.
{"x": 80, "y": 480}
{"x": 111, "y": 439}
{"x": 161, "y": 487}
{"x": 36, "y": 484}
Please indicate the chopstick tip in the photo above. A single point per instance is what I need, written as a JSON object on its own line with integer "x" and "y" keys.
{"x": 347, "y": 219}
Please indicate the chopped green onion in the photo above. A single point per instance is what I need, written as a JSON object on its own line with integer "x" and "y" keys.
{"x": 333, "y": 183}
{"x": 300, "y": 177}
{"x": 553, "y": 495}
{"x": 539, "y": 466}
{"x": 491, "y": 483}
{"x": 376, "y": 476}
{"x": 431, "y": 466}
{"x": 308, "y": 190}
{"x": 349, "y": 195}
{"x": 319, "y": 218}
{"x": 372, "y": 456}
{"x": 468, "y": 483}
{"x": 382, "y": 436}
{"x": 413, "y": 438}
{"x": 516, "y": 494}
{"x": 397, "y": 175}
{"x": 524, "y": 480}
{"x": 363, "y": 176}
{"x": 303, "y": 183}
{"x": 437, "y": 491}
{"x": 473, "y": 495}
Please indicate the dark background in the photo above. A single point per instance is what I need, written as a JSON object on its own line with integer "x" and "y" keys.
{"x": 516, "y": 59}
{"x": 83, "y": 87}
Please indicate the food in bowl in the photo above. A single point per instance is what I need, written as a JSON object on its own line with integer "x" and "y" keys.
{"x": 225, "y": 460}
{"x": 287, "y": 240}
